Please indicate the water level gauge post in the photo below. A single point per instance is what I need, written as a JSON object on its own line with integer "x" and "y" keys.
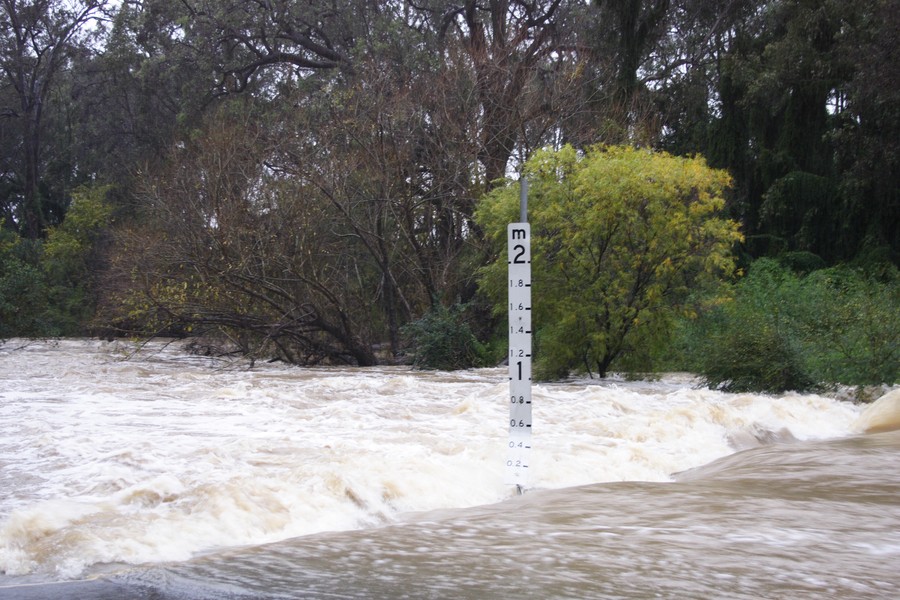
{"x": 520, "y": 334}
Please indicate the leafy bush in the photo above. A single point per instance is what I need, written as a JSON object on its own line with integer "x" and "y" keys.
{"x": 23, "y": 290}
{"x": 620, "y": 236}
{"x": 67, "y": 258}
{"x": 849, "y": 324}
{"x": 45, "y": 285}
{"x": 443, "y": 340}
{"x": 778, "y": 330}
{"x": 755, "y": 359}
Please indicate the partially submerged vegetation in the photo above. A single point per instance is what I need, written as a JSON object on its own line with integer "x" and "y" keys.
{"x": 715, "y": 185}
{"x": 620, "y": 238}
{"x": 777, "y": 329}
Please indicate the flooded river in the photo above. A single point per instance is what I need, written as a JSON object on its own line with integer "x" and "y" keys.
{"x": 148, "y": 473}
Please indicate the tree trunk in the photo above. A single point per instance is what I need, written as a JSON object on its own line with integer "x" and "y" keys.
{"x": 32, "y": 209}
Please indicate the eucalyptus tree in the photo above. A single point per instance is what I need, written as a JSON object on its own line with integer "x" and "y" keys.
{"x": 148, "y": 88}
{"x": 248, "y": 39}
{"x": 511, "y": 48}
{"x": 866, "y": 132}
{"x": 628, "y": 35}
{"x": 804, "y": 128}
{"x": 37, "y": 42}
{"x": 613, "y": 44}
{"x": 508, "y": 48}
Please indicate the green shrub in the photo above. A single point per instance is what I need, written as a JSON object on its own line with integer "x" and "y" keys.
{"x": 45, "y": 285}
{"x": 778, "y": 330}
{"x": 761, "y": 359}
{"x": 443, "y": 340}
{"x": 68, "y": 253}
{"x": 23, "y": 290}
{"x": 745, "y": 343}
{"x": 849, "y": 323}
{"x": 801, "y": 262}
{"x": 620, "y": 236}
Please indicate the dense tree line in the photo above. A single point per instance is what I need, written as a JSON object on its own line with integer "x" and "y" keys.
{"x": 302, "y": 176}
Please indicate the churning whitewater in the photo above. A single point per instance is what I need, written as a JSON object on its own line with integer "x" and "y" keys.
{"x": 115, "y": 454}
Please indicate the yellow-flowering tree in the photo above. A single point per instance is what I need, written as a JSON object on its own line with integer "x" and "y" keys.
{"x": 619, "y": 237}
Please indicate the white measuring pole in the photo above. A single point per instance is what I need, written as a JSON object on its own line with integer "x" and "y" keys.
{"x": 518, "y": 237}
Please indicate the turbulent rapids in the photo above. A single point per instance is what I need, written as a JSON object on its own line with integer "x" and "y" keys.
{"x": 128, "y": 467}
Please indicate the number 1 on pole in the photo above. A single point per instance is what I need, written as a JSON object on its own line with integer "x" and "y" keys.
{"x": 519, "y": 445}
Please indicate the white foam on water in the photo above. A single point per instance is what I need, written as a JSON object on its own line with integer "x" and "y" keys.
{"x": 164, "y": 456}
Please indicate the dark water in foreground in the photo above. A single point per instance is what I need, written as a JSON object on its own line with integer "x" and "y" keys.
{"x": 798, "y": 520}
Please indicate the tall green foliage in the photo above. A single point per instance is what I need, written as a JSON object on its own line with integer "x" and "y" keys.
{"x": 743, "y": 342}
{"x": 46, "y": 285}
{"x": 778, "y": 330}
{"x": 804, "y": 122}
{"x": 68, "y": 256}
{"x": 23, "y": 297}
{"x": 848, "y": 323}
{"x": 620, "y": 235}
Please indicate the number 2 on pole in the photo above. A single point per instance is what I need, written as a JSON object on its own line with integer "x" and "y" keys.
{"x": 520, "y": 252}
